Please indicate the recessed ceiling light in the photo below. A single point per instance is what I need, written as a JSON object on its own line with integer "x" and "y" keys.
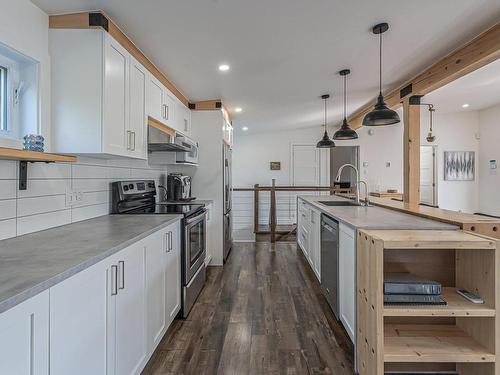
{"x": 245, "y": 128}
{"x": 223, "y": 67}
{"x": 238, "y": 109}
{"x": 465, "y": 105}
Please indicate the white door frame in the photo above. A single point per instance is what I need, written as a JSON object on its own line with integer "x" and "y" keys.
{"x": 435, "y": 171}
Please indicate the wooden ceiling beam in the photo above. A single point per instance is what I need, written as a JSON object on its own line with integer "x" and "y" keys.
{"x": 480, "y": 51}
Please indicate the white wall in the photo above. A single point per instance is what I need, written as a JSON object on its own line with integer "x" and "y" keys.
{"x": 24, "y": 28}
{"x": 489, "y": 183}
{"x": 454, "y": 132}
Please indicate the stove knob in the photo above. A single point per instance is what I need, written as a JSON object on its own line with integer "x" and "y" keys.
{"x": 125, "y": 187}
{"x": 131, "y": 186}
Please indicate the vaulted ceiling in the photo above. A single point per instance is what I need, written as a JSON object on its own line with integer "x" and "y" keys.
{"x": 283, "y": 54}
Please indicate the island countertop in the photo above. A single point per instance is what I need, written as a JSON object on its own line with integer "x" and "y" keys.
{"x": 373, "y": 217}
{"x": 34, "y": 262}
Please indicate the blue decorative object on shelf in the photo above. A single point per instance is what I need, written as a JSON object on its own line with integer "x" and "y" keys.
{"x": 33, "y": 142}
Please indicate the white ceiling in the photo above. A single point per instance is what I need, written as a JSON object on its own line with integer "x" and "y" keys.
{"x": 480, "y": 89}
{"x": 285, "y": 53}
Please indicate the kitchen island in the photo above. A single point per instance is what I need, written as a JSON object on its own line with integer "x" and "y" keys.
{"x": 350, "y": 219}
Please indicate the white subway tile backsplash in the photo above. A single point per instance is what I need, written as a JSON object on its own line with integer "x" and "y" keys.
{"x": 118, "y": 174}
{"x": 7, "y": 228}
{"x": 8, "y": 169}
{"x": 43, "y": 204}
{"x": 8, "y": 189}
{"x": 88, "y": 212}
{"x": 38, "y": 205}
{"x": 7, "y": 209}
{"x": 92, "y": 198}
{"x": 88, "y": 171}
{"x": 49, "y": 171}
{"x": 87, "y": 185}
{"x": 35, "y": 223}
{"x": 38, "y": 188}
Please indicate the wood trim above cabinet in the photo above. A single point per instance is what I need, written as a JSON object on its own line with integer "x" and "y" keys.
{"x": 160, "y": 126}
{"x": 480, "y": 51}
{"x": 83, "y": 21}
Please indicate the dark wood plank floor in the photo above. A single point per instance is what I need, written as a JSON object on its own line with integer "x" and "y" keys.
{"x": 263, "y": 313}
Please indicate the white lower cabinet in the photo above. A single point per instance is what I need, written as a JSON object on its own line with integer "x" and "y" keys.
{"x": 24, "y": 337}
{"x": 163, "y": 282}
{"x": 105, "y": 320}
{"x": 126, "y": 336}
{"x": 78, "y": 320}
{"x": 309, "y": 235}
{"x": 347, "y": 278}
{"x": 173, "y": 272}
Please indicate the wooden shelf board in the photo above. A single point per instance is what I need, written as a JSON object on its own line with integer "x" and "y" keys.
{"x": 424, "y": 239}
{"x": 23, "y": 155}
{"x": 457, "y": 307}
{"x": 431, "y": 343}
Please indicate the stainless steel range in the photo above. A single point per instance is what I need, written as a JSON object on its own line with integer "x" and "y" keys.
{"x": 139, "y": 197}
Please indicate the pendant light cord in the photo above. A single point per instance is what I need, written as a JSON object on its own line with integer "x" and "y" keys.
{"x": 345, "y": 79}
{"x": 431, "y": 109}
{"x": 380, "y": 65}
{"x": 325, "y": 116}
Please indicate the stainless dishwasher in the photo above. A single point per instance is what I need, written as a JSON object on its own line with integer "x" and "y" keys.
{"x": 330, "y": 262}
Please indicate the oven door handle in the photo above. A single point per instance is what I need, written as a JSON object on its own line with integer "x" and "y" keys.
{"x": 197, "y": 217}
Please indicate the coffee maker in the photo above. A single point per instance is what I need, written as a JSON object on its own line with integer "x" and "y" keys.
{"x": 178, "y": 187}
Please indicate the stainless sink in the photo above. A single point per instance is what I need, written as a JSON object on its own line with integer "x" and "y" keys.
{"x": 339, "y": 203}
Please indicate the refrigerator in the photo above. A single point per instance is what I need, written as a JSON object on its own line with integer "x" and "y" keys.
{"x": 339, "y": 156}
{"x": 228, "y": 191}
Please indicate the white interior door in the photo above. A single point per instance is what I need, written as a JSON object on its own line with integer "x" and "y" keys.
{"x": 428, "y": 181}
{"x": 305, "y": 165}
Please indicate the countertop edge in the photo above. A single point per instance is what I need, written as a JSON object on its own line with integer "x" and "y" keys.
{"x": 372, "y": 227}
{"x": 26, "y": 294}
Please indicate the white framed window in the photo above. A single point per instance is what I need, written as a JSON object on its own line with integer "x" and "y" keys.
{"x": 3, "y": 100}
{"x": 19, "y": 97}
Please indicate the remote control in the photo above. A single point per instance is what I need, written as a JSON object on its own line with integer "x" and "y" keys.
{"x": 469, "y": 296}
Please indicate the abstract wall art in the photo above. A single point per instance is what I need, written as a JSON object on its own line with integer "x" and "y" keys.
{"x": 459, "y": 165}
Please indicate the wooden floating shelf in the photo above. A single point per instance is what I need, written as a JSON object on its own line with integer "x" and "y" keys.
{"x": 431, "y": 343}
{"x": 24, "y": 155}
{"x": 457, "y": 307}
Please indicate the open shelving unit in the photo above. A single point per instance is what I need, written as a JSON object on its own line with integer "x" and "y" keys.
{"x": 460, "y": 335}
{"x": 25, "y": 156}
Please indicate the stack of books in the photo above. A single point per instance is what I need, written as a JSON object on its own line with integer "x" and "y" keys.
{"x": 406, "y": 288}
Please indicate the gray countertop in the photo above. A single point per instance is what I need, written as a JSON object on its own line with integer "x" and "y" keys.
{"x": 373, "y": 217}
{"x": 34, "y": 262}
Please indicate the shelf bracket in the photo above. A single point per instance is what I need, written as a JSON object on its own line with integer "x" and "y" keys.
{"x": 23, "y": 173}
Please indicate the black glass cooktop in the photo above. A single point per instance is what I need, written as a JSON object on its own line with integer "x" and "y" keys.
{"x": 184, "y": 209}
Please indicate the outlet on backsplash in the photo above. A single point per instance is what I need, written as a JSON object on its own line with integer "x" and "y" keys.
{"x": 73, "y": 197}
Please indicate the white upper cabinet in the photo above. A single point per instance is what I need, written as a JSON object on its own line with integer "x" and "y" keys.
{"x": 116, "y": 99}
{"x": 136, "y": 136}
{"x": 163, "y": 106}
{"x": 183, "y": 118}
{"x": 98, "y": 95}
{"x": 155, "y": 99}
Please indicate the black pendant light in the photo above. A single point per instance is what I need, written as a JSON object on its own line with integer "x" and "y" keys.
{"x": 381, "y": 115}
{"x": 325, "y": 142}
{"x": 345, "y": 132}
